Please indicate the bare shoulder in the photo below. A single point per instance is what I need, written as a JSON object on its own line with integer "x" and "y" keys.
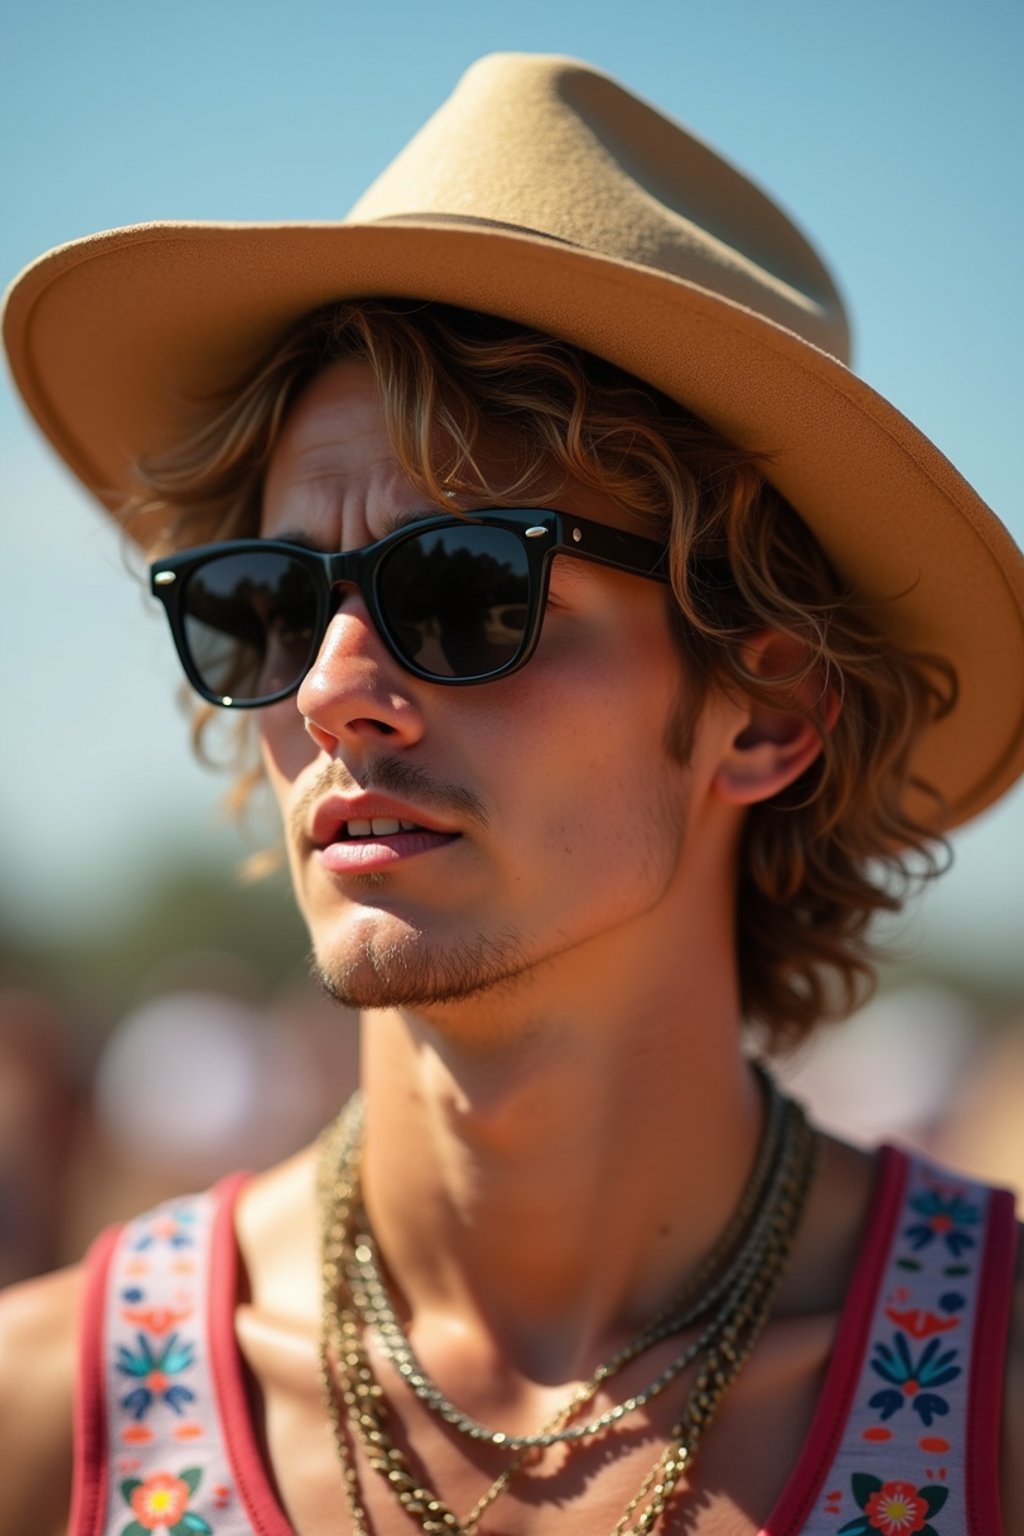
{"x": 38, "y": 1346}
{"x": 276, "y": 1227}
{"x": 1013, "y": 1407}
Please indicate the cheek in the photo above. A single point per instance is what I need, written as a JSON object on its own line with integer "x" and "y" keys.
{"x": 285, "y": 746}
{"x": 619, "y": 670}
{"x": 587, "y": 720}
{"x": 599, "y": 808}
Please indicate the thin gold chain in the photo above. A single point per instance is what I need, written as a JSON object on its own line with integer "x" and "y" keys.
{"x": 724, "y": 1345}
{"x": 680, "y": 1314}
{"x": 692, "y": 1303}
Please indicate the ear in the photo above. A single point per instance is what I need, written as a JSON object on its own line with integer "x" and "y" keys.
{"x": 775, "y": 744}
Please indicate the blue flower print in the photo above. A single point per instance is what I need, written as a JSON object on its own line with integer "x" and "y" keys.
{"x": 946, "y": 1217}
{"x": 913, "y": 1380}
{"x": 152, "y": 1369}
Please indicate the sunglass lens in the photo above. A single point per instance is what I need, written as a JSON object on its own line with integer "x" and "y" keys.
{"x": 250, "y": 621}
{"x": 456, "y": 599}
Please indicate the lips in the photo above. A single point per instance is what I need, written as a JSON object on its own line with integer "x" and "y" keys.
{"x": 365, "y": 834}
{"x": 342, "y": 818}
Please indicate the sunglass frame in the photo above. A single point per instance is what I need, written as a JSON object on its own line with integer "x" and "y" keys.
{"x": 543, "y": 533}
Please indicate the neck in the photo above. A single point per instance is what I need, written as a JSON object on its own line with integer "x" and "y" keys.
{"x": 548, "y": 1178}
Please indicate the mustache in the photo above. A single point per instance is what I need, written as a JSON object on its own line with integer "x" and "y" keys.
{"x": 391, "y": 776}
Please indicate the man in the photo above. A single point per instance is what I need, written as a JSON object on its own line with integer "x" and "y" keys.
{"x": 614, "y": 648}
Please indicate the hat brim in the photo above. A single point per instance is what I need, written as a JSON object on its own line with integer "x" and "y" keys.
{"x": 114, "y": 339}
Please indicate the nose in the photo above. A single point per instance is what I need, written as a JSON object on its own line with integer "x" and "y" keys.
{"x": 355, "y": 693}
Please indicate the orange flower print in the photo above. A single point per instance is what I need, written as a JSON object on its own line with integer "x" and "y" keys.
{"x": 160, "y": 1503}
{"x": 160, "y": 1500}
{"x": 894, "y": 1508}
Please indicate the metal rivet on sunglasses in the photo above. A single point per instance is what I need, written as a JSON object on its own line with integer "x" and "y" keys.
{"x": 535, "y": 533}
{"x": 577, "y": 535}
{"x": 164, "y": 578}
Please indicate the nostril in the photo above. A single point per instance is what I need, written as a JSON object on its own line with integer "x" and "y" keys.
{"x": 322, "y": 739}
{"x": 327, "y": 741}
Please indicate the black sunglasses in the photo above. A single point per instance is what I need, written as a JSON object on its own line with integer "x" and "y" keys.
{"x": 455, "y": 599}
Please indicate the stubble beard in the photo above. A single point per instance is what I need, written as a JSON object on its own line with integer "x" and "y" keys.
{"x": 412, "y": 970}
{"x": 411, "y": 973}
{"x": 419, "y": 972}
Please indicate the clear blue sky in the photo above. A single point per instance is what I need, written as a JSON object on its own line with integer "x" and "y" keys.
{"x": 893, "y": 129}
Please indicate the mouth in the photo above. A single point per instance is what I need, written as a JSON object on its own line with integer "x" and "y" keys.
{"x": 351, "y": 818}
{"x": 378, "y": 845}
{"x": 370, "y": 838}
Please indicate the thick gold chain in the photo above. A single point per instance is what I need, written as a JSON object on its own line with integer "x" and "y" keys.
{"x": 692, "y": 1303}
{"x": 355, "y": 1399}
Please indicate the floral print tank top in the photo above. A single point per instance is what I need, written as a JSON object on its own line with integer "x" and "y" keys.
{"x": 904, "y": 1442}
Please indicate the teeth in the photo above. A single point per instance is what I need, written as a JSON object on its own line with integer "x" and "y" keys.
{"x": 378, "y": 826}
{"x": 409, "y": 826}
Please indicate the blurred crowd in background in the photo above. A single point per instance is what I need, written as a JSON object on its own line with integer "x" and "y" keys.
{"x": 195, "y": 1081}
{"x": 125, "y": 1075}
{"x": 202, "y": 1075}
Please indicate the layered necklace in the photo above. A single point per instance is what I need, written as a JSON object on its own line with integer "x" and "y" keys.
{"x": 725, "y": 1302}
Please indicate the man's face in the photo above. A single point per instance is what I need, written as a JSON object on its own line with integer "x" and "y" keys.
{"x": 555, "y": 800}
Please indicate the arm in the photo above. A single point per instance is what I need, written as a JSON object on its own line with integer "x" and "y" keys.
{"x": 38, "y": 1345}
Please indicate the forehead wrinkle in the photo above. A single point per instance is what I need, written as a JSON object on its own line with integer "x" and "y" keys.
{"x": 325, "y": 455}
{"x": 328, "y": 500}
{"x": 302, "y": 501}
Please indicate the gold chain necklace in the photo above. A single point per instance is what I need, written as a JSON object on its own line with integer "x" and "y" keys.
{"x": 725, "y": 1344}
{"x": 366, "y": 1415}
{"x": 689, "y": 1306}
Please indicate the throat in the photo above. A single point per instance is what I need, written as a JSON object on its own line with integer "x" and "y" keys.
{"x": 550, "y": 1243}
{"x": 708, "y": 1324}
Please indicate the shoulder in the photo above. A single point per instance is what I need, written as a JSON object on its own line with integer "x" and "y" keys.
{"x": 1012, "y": 1466}
{"x": 38, "y": 1351}
{"x": 277, "y": 1234}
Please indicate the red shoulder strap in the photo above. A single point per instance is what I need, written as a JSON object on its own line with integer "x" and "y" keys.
{"x": 917, "y": 1449}
{"x": 89, "y": 1475}
{"x": 150, "y": 1443}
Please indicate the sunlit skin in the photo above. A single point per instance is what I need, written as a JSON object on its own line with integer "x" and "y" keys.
{"x": 560, "y": 1121}
{"x": 591, "y": 1061}
{"x": 574, "y": 832}
{"x": 595, "y": 857}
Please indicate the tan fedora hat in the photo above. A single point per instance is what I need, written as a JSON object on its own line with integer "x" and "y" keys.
{"x": 544, "y": 192}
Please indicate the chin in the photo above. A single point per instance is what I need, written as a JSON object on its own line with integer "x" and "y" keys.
{"x": 410, "y": 971}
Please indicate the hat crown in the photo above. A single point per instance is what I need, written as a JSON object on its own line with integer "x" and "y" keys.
{"x": 553, "y": 147}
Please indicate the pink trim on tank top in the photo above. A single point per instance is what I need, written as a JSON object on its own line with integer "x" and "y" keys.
{"x": 797, "y": 1498}
{"x": 988, "y": 1365}
{"x": 89, "y": 1468}
{"x": 832, "y": 1408}
{"x": 251, "y": 1476}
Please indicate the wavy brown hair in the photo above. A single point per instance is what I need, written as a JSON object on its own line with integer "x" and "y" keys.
{"x": 818, "y": 860}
